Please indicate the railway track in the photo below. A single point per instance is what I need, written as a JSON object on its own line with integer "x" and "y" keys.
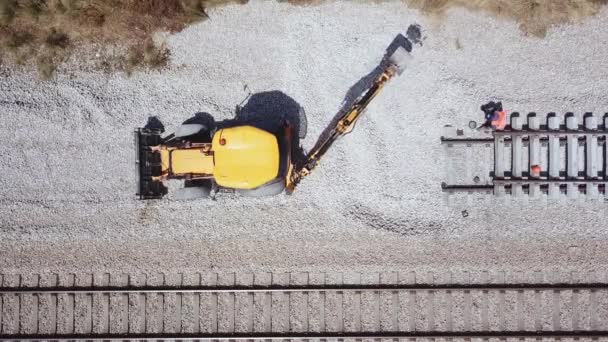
{"x": 319, "y": 311}
{"x": 559, "y": 158}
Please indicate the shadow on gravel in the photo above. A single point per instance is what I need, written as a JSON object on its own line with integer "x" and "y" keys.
{"x": 359, "y": 88}
{"x": 154, "y": 123}
{"x": 268, "y": 111}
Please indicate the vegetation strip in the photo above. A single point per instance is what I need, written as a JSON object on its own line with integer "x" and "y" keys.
{"x": 118, "y": 35}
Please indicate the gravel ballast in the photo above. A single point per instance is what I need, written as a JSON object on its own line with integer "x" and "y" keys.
{"x": 67, "y": 187}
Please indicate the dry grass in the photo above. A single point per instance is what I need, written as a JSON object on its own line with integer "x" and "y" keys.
{"x": 47, "y": 32}
{"x": 533, "y": 16}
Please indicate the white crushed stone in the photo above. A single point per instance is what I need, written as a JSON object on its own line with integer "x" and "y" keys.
{"x": 67, "y": 185}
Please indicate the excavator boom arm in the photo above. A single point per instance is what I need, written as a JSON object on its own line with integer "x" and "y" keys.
{"x": 346, "y": 122}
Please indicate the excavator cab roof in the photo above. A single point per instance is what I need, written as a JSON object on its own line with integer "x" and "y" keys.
{"x": 245, "y": 157}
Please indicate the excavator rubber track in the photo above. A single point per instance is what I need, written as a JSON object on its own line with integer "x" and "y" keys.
{"x": 148, "y": 164}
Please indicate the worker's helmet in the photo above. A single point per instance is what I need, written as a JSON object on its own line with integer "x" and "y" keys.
{"x": 490, "y": 109}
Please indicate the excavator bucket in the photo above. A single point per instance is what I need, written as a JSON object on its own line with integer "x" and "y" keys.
{"x": 399, "y": 59}
{"x": 148, "y": 164}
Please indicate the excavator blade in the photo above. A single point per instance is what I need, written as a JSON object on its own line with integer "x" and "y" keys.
{"x": 399, "y": 59}
{"x": 148, "y": 164}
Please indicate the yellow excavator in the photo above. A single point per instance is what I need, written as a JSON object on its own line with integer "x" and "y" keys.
{"x": 244, "y": 159}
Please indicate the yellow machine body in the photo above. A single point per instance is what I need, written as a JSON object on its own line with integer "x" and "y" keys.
{"x": 187, "y": 161}
{"x": 245, "y": 157}
{"x": 242, "y": 157}
{"x": 248, "y": 157}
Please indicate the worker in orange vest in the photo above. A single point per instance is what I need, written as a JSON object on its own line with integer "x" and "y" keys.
{"x": 495, "y": 116}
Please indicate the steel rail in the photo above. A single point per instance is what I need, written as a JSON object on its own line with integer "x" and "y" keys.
{"x": 601, "y": 139}
{"x": 505, "y": 182}
{"x": 549, "y": 181}
{"x": 602, "y": 184}
{"x": 306, "y": 288}
{"x": 307, "y": 336}
{"x": 467, "y": 141}
{"x": 560, "y": 132}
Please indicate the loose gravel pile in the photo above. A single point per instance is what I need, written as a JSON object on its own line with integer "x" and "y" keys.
{"x": 67, "y": 186}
